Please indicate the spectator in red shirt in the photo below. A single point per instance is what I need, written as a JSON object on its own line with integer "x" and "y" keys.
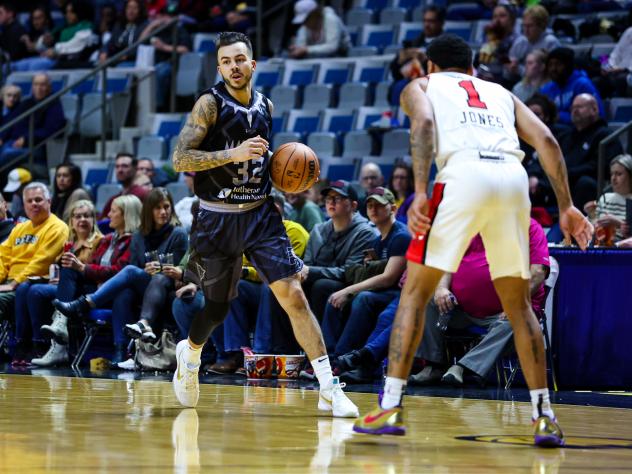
{"x": 469, "y": 296}
{"x": 125, "y": 166}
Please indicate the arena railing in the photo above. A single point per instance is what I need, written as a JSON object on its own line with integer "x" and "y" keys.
{"x": 101, "y": 69}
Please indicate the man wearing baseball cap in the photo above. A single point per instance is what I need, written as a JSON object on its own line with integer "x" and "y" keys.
{"x": 322, "y": 34}
{"x": 17, "y": 179}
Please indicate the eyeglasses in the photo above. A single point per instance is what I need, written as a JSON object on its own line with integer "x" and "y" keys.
{"x": 82, "y": 216}
{"x": 334, "y": 199}
{"x": 402, "y": 176}
{"x": 370, "y": 178}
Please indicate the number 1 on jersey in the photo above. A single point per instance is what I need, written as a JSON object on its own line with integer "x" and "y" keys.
{"x": 473, "y": 99}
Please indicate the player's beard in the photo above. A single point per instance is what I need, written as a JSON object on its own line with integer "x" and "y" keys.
{"x": 247, "y": 77}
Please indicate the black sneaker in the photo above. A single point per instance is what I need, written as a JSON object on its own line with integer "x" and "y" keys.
{"x": 349, "y": 361}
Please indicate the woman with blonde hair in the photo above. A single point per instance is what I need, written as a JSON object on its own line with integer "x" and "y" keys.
{"x": 82, "y": 271}
{"x": 160, "y": 234}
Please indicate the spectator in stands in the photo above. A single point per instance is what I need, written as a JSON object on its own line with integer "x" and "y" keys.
{"x": 580, "y": 146}
{"x": 350, "y": 312}
{"x": 254, "y": 308}
{"x": 304, "y": 211}
{"x": 470, "y": 298}
{"x": 534, "y": 23}
{"x": 157, "y": 176}
{"x": 160, "y": 234}
{"x": 494, "y": 54}
{"x": 11, "y": 96}
{"x": 17, "y": 180}
{"x": 567, "y": 83}
{"x": 28, "y": 252}
{"x": 370, "y": 177}
{"x": 77, "y": 276}
{"x": 84, "y": 238}
{"x": 67, "y": 190}
{"x": 534, "y": 75}
{"x": 610, "y": 209}
{"x": 616, "y": 73}
{"x": 37, "y": 40}
{"x": 183, "y": 206}
{"x": 6, "y": 222}
{"x": 162, "y": 45}
{"x": 76, "y": 40}
{"x": 402, "y": 183}
{"x": 47, "y": 121}
{"x": 225, "y": 15}
{"x": 322, "y": 32}
{"x": 126, "y": 33}
{"x": 433, "y": 20}
{"x": 11, "y": 41}
{"x": 125, "y": 166}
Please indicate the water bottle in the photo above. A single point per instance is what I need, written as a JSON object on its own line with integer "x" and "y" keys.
{"x": 444, "y": 318}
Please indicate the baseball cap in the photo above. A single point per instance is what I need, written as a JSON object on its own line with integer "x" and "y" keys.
{"x": 302, "y": 9}
{"x": 343, "y": 188}
{"x": 17, "y": 178}
{"x": 382, "y": 195}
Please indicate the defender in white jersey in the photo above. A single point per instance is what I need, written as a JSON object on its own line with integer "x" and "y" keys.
{"x": 471, "y": 128}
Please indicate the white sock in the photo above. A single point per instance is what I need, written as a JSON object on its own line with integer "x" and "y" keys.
{"x": 393, "y": 392}
{"x": 192, "y": 356}
{"x": 540, "y": 403}
{"x": 322, "y": 371}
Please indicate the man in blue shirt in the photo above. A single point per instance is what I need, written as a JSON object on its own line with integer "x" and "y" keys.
{"x": 371, "y": 295}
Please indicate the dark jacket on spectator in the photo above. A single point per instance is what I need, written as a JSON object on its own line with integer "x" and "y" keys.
{"x": 10, "y": 41}
{"x": 176, "y": 242}
{"x": 123, "y": 36}
{"x": 329, "y": 253}
{"x": 47, "y": 121}
{"x": 581, "y": 150}
{"x": 11, "y": 114}
{"x": 120, "y": 257}
{"x": 6, "y": 226}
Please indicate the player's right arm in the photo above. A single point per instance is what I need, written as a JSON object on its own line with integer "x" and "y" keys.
{"x": 188, "y": 157}
{"x": 537, "y": 134}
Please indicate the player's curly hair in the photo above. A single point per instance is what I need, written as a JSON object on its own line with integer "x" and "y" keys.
{"x": 227, "y": 38}
{"x": 449, "y": 51}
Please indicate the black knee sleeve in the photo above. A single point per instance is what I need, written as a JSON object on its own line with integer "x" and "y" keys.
{"x": 207, "y": 319}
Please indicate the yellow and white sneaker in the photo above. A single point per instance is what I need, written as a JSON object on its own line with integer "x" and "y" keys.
{"x": 186, "y": 383}
{"x": 333, "y": 399}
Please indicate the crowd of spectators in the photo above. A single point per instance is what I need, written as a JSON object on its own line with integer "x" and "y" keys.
{"x": 61, "y": 257}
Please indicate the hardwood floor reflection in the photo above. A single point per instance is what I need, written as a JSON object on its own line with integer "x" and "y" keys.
{"x": 59, "y": 424}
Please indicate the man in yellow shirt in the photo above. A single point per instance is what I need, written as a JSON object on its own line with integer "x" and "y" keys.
{"x": 26, "y": 254}
{"x": 252, "y": 306}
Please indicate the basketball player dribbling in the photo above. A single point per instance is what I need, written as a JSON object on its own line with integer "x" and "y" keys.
{"x": 225, "y": 141}
{"x": 471, "y": 128}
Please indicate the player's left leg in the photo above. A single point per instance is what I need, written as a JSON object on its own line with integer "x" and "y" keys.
{"x": 290, "y": 295}
{"x": 529, "y": 340}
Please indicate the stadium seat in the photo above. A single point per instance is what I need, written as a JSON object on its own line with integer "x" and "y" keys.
{"x": 90, "y": 119}
{"x": 621, "y": 109}
{"x": 357, "y": 144}
{"x": 204, "y": 42}
{"x": 359, "y": 16}
{"x": 282, "y": 138}
{"x": 299, "y": 74}
{"x": 392, "y": 16}
{"x": 391, "y": 50}
{"x": 95, "y": 173}
{"x": 178, "y": 191}
{"x": 189, "y": 75}
{"x": 375, "y": 5}
{"x": 459, "y": 28}
{"x": 368, "y": 115}
{"x": 359, "y": 51}
{"x": 386, "y": 164}
{"x": 396, "y": 143}
{"x": 152, "y": 147}
{"x": 334, "y": 72}
{"x": 370, "y": 70}
{"x": 334, "y": 168}
{"x": 418, "y": 14}
{"x": 278, "y": 121}
{"x": 353, "y": 95}
{"x": 167, "y": 125}
{"x": 381, "y": 94}
{"x": 317, "y": 96}
{"x": 104, "y": 193}
{"x": 323, "y": 143}
{"x": 71, "y": 105}
{"x": 266, "y": 75}
{"x": 463, "y": 11}
{"x": 338, "y": 121}
{"x": 303, "y": 122}
{"x": 409, "y": 31}
{"x": 283, "y": 97}
{"x": 407, "y": 4}
{"x": 379, "y": 36}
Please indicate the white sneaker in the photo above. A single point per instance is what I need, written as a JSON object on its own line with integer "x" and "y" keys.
{"x": 56, "y": 355}
{"x": 128, "y": 364}
{"x": 58, "y": 329}
{"x": 186, "y": 383}
{"x": 333, "y": 399}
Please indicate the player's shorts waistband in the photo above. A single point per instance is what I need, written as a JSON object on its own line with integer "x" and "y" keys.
{"x": 490, "y": 156}
{"x": 230, "y": 208}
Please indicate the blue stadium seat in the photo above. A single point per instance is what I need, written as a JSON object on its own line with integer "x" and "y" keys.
{"x": 152, "y": 147}
{"x": 317, "y": 96}
{"x": 357, "y": 144}
{"x": 334, "y": 72}
{"x": 370, "y": 70}
{"x": 204, "y": 43}
{"x": 283, "y": 97}
{"x": 167, "y": 125}
{"x": 621, "y": 109}
{"x": 392, "y": 16}
{"x": 303, "y": 122}
{"x": 375, "y": 5}
{"x": 358, "y": 16}
{"x": 266, "y": 75}
{"x": 459, "y": 28}
{"x": 323, "y": 143}
{"x": 379, "y": 36}
{"x": 409, "y": 31}
{"x": 334, "y": 168}
{"x": 368, "y": 115}
{"x": 359, "y": 51}
{"x": 338, "y": 121}
{"x": 299, "y": 74}
{"x": 282, "y": 138}
{"x": 396, "y": 143}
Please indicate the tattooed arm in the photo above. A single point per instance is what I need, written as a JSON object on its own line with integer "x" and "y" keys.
{"x": 418, "y": 107}
{"x": 188, "y": 157}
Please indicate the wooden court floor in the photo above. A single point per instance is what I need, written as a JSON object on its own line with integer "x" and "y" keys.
{"x": 69, "y": 425}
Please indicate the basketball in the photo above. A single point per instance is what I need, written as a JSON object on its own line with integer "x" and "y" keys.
{"x": 294, "y": 167}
